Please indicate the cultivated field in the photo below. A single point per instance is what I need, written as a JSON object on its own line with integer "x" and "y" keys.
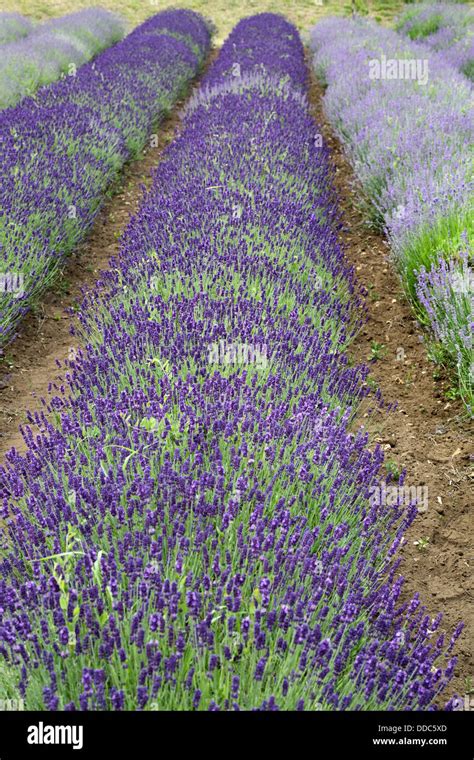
{"x": 236, "y": 357}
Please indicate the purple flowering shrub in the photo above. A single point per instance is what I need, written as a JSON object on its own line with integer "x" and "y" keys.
{"x": 273, "y": 55}
{"x": 408, "y": 138}
{"x": 187, "y": 26}
{"x": 446, "y": 28}
{"x": 193, "y": 527}
{"x": 63, "y": 148}
{"x": 13, "y": 26}
{"x": 53, "y": 49}
{"x": 446, "y": 293}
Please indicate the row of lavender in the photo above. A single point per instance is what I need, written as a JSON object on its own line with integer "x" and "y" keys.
{"x": 197, "y": 528}
{"x": 405, "y": 117}
{"x": 62, "y": 149}
{"x": 13, "y": 26}
{"x": 52, "y": 49}
{"x": 447, "y": 28}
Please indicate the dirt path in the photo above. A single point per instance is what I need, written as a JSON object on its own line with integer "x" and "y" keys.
{"x": 427, "y": 434}
{"x": 30, "y": 361}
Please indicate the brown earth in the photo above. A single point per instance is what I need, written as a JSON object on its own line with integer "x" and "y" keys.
{"x": 428, "y": 435}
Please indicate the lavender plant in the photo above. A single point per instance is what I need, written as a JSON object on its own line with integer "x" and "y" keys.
{"x": 405, "y": 118}
{"x": 446, "y": 28}
{"x": 446, "y": 293}
{"x": 13, "y": 26}
{"x": 55, "y": 48}
{"x": 63, "y": 148}
{"x": 193, "y": 528}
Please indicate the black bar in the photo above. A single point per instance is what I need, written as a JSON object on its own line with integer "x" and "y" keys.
{"x": 141, "y": 734}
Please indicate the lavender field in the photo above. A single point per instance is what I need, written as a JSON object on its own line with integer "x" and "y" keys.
{"x": 42, "y": 54}
{"x": 410, "y": 139}
{"x": 226, "y": 489}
